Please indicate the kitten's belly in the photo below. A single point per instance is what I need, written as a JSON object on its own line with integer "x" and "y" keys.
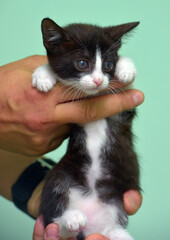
{"x": 99, "y": 215}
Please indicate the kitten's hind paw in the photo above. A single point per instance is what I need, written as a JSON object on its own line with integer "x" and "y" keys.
{"x": 43, "y": 79}
{"x": 74, "y": 220}
{"x": 119, "y": 234}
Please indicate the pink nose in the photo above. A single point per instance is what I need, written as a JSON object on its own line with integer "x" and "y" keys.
{"x": 98, "y": 81}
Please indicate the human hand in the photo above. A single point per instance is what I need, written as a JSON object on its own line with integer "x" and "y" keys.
{"x": 33, "y": 123}
{"x": 27, "y": 123}
{"x": 132, "y": 202}
{"x": 52, "y": 232}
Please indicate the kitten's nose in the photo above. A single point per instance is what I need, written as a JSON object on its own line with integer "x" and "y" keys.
{"x": 98, "y": 81}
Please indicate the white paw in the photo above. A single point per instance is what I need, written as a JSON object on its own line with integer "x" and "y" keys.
{"x": 119, "y": 234}
{"x": 125, "y": 70}
{"x": 74, "y": 220}
{"x": 43, "y": 78}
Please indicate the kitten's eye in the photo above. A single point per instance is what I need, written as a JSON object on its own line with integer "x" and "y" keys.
{"x": 108, "y": 65}
{"x": 81, "y": 65}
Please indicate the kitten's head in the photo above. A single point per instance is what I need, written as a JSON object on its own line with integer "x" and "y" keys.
{"x": 84, "y": 56}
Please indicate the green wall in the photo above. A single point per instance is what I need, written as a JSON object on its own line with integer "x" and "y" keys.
{"x": 20, "y": 36}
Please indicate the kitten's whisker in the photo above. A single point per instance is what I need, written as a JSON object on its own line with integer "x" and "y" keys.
{"x": 77, "y": 91}
{"x": 117, "y": 91}
{"x": 66, "y": 84}
{"x": 115, "y": 44}
{"x": 77, "y": 39}
{"x": 69, "y": 90}
{"x": 112, "y": 91}
{"x": 76, "y": 94}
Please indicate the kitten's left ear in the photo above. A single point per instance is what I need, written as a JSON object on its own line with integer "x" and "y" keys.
{"x": 53, "y": 34}
{"x": 116, "y": 32}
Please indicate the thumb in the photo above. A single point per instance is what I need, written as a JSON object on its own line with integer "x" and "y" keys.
{"x": 95, "y": 108}
{"x": 96, "y": 236}
{"x": 38, "y": 233}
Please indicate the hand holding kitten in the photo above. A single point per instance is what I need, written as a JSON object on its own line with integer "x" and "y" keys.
{"x": 37, "y": 122}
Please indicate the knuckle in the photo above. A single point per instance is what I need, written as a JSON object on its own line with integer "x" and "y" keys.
{"x": 40, "y": 144}
{"x": 34, "y": 124}
{"x": 32, "y": 95}
{"x": 91, "y": 112}
{"x": 36, "y": 59}
{"x": 17, "y": 73}
{"x": 38, "y": 140}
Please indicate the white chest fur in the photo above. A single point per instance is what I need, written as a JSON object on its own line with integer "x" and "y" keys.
{"x": 95, "y": 140}
{"x": 88, "y": 213}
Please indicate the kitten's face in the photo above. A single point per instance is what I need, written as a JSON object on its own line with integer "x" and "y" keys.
{"x": 89, "y": 72}
{"x": 83, "y": 56}
{"x": 96, "y": 74}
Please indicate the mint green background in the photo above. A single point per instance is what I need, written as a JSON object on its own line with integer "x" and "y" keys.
{"x": 20, "y": 36}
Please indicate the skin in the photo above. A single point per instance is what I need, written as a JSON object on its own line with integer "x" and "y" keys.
{"x": 33, "y": 123}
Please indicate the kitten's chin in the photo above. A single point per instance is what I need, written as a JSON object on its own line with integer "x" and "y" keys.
{"x": 91, "y": 92}
{"x": 94, "y": 90}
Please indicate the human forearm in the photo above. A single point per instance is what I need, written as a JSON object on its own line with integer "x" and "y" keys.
{"x": 11, "y": 166}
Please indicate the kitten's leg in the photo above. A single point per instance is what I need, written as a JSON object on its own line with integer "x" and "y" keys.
{"x": 72, "y": 222}
{"x": 116, "y": 223}
{"x": 55, "y": 195}
{"x": 43, "y": 78}
{"x": 55, "y": 205}
{"x": 125, "y": 70}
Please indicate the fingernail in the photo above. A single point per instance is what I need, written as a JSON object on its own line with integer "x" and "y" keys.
{"x": 40, "y": 220}
{"x": 138, "y": 98}
{"x": 96, "y": 236}
{"x": 133, "y": 204}
{"x": 52, "y": 233}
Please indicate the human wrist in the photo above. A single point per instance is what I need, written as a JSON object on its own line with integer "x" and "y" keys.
{"x": 34, "y": 201}
{"x": 13, "y": 164}
{"x": 26, "y": 191}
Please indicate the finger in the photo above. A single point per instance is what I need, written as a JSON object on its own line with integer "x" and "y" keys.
{"x": 38, "y": 233}
{"x": 132, "y": 201}
{"x": 60, "y": 131}
{"x": 96, "y": 236}
{"x": 98, "y": 107}
{"x": 52, "y": 232}
{"x": 58, "y": 135}
{"x": 34, "y": 61}
{"x": 34, "y": 201}
{"x": 55, "y": 143}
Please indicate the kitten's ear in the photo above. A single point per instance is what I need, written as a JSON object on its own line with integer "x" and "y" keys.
{"x": 116, "y": 32}
{"x": 53, "y": 34}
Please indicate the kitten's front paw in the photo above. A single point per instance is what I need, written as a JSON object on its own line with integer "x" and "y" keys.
{"x": 125, "y": 70}
{"x": 43, "y": 79}
{"x": 119, "y": 234}
{"x": 74, "y": 220}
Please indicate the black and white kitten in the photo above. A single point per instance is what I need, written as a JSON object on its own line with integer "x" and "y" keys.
{"x": 84, "y": 192}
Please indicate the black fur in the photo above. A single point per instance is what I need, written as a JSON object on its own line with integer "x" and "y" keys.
{"x": 119, "y": 161}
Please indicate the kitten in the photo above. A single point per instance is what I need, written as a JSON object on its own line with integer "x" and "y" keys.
{"x": 84, "y": 191}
